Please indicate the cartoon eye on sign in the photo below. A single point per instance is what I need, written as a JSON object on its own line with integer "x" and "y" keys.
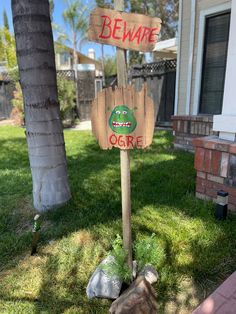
{"x": 122, "y": 120}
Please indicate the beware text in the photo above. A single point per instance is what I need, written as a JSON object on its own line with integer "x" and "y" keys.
{"x": 141, "y": 34}
{"x": 125, "y": 30}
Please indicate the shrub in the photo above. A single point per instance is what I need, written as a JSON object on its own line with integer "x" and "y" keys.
{"x": 67, "y": 97}
{"x": 17, "y": 114}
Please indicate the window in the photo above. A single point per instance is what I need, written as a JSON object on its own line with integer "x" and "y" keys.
{"x": 98, "y": 86}
{"x": 214, "y": 63}
{"x": 64, "y": 58}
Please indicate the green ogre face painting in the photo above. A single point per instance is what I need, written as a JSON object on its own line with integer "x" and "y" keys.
{"x": 122, "y": 120}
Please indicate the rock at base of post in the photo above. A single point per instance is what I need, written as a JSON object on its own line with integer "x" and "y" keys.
{"x": 101, "y": 285}
{"x": 139, "y": 298}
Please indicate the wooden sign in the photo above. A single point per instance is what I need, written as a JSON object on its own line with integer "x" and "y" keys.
{"x": 125, "y": 30}
{"x": 123, "y": 118}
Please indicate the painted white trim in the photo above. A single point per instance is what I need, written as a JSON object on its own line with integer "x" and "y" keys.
{"x": 190, "y": 63}
{"x": 201, "y": 35}
{"x": 227, "y": 136}
{"x": 178, "y": 58}
{"x": 165, "y": 44}
{"x": 96, "y": 90}
{"x": 224, "y": 123}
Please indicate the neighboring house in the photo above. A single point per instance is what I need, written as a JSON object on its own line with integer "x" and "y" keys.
{"x": 206, "y": 92}
{"x": 89, "y": 76}
{"x": 64, "y": 61}
{"x": 166, "y": 49}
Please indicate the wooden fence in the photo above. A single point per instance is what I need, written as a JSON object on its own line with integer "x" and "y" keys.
{"x": 160, "y": 78}
{"x": 6, "y": 95}
{"x": 7, "y": 86}
{"x": 86, "y": 93}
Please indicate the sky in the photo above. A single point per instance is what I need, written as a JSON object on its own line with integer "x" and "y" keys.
{"x": 57, "y": 19}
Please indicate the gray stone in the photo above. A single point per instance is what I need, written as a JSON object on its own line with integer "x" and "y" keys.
{"x": 101, "y": 285}
{"x": 135, "y": 268}
{"x": 150, "y": 273}
{"x": 139, "y": 298}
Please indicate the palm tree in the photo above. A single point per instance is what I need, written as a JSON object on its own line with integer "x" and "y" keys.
{"x": 36, "y": 61}
{"x": 51, "y": 9}
{"x": 75, "y": 16}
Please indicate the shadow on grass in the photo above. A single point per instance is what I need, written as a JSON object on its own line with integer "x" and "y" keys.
{"x": 163, "y": 202}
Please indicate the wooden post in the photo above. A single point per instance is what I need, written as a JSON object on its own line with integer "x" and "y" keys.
{"x": 122, "y": 79}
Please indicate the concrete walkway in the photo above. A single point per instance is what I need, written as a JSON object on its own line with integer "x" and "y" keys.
{"x": 222, "y": 300}
{"x": 83, "y": 126}
{"x": 6, "y": 122}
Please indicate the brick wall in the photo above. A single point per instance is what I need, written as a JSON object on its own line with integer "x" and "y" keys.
{"x": 185, "y": 128}
{"x": 215, "y": 162}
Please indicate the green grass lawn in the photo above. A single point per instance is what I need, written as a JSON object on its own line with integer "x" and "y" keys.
{"x": 199, "y": 252}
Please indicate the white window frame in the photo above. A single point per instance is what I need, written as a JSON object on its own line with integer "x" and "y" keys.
{"x": 97, "y": 80}
{"x": 204, "y": 14}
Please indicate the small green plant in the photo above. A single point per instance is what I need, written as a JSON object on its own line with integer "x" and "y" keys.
{"x": 147, "y": 251}
{"x": 118, "y": 267}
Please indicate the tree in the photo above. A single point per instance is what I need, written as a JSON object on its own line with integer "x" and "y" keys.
{"x": 7, "y": 49}
{"x": 135, "y": 57}
{"x": 5, "y": 20}
{"x": 109, "y": 67}
{"x": 103, "y": 4}
{"x": 7, "y": 45}
{"x": 75, "y": 16}
{"x": 166, "y": 10}
{"x": 51, "y": 8}
{"x": 36, "y": 61}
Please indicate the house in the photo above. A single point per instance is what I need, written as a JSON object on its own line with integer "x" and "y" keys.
{"x": 64, "y": 59}
{"x": 64, "y": 62}
{"x": 205, "y": 113}
{"x": 89, "y": 76}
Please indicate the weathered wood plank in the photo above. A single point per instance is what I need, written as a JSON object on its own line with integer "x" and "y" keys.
{"x": 123, "y": 118}
{"x": 125, "y": 30}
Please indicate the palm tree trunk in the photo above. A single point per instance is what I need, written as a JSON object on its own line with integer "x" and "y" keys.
{"x": 36, "y": 61}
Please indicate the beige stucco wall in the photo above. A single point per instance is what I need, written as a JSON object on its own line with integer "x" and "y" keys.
{"x": 184, "y": 50}
{"x": 183, "y": 57}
